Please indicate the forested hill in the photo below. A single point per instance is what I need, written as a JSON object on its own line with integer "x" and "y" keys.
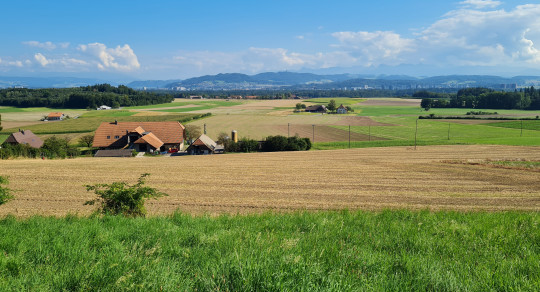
{"x": 81, "y": 97}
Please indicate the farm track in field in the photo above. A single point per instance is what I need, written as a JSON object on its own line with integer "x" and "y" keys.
{"x": 369, "y": 178}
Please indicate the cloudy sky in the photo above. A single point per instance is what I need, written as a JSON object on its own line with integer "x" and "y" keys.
{"x": 179, "y": 39}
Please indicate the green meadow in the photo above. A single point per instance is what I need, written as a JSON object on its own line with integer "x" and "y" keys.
{"x": 187, "y": 105}
{"x": 321, "y": 251}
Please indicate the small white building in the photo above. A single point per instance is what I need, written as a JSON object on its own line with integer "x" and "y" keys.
{"x": 341, "y": 109}
{"x": 104, "y": 107}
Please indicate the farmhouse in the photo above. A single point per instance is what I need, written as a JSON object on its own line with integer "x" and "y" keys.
{"x": 341, "y": 109}
{"x": 204, "y": 145}
{"x": 55, "y": 116}
{"x": 141, "y": 136}
{"x": 104, "y": 107}
{"x": 24, "y": 137}
{"x": 316, "y": 109}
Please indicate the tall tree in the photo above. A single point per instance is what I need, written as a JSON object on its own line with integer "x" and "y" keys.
{"x": 332, "y": 105}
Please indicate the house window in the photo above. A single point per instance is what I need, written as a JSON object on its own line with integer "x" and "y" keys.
{"x": 108, "y": 137}
{"x": 116, "y": 137}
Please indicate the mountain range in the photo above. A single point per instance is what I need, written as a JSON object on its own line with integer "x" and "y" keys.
{"x": 288, "y": 80}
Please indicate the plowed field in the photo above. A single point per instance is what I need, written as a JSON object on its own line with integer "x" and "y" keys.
{"x": 369, "y": 178}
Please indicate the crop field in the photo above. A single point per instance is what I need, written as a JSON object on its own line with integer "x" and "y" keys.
{"x": 371, "y": 178}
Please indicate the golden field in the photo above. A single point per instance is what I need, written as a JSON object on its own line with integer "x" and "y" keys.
{"x": 369, "y": 178}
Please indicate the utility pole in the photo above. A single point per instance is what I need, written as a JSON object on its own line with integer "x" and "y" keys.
{"x": 313, "y": 133}
{"x": 521, "y": 134}
{"x": 349, "y": 136}
{"x": 415, "y": 134}
{"x": 448, "y": 131}
{"x": 205, "y": 129}
{"x": 369, "y": 129}
{"x": 288, "y": 130}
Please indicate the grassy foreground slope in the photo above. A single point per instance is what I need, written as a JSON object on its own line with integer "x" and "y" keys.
{"x": 330, "y": 251}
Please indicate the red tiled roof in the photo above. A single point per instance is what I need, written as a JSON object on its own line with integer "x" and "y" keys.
{"x": 55, "y": 115}
{"x": 167, "y": 132}
{"x": 150, "y": 139}
{"x": 25, "y": 137}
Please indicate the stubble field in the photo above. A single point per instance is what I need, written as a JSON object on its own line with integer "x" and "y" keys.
{"x": 369, "y": 179}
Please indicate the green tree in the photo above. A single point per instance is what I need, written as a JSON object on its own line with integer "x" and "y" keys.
{"x": 298, "y": 106}
{"x": 87, "y": 140}
{"x": 332, "y": 106}
{"x": 426, "y": 103}
{"x": 5, "y": 193}
{"x": 193, "y": 132}
{"x": 119, "y": 198}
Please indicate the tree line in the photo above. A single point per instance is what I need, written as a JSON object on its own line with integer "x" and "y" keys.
{"x": 482, "y": 98}
{"x": 81, "y": 97}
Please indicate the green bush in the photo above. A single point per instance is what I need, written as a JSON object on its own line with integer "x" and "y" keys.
{"x": 281, "y": 143}
{"x": 119, "y": 198}
{"x": 5, "y": 193}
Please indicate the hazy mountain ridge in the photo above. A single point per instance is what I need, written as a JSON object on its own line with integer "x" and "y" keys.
{"x": 289, "y": 80}
{"x": 49, "y": 82}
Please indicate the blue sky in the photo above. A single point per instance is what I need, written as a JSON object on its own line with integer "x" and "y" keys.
{"x": 134, "y": 39}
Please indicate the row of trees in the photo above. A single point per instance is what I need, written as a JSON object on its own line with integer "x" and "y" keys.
{"x": 482, "y": 98}
{"x": 82, "y": 97}
{"x": 269, "y": 144}
{"x": 53, "y": 147}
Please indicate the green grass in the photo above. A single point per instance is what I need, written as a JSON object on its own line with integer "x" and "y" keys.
{"x": 362, "y": 110}
{"x": 516, "y": 163}
{"x": 199, "y": 105}
{"x": 86, "y": 124}
{"x": 526, "y": 124}
{"x": 109, "y": 113}
{"x": 325, "y": 251}
{"x": 3, "y": 138}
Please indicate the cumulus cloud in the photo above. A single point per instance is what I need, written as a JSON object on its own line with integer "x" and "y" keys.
{"x": 121, "y": 58}
{"x": 480, "y": 4}
{"x": 62, "y": 62}
{"x": 46, "y": 45}
{"x": 41, "y": 59}
{"x": 374, "y": 48}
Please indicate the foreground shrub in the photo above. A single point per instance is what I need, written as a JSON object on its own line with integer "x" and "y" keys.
{"x": 119, "y": 198}
{"x": 5, "y": 193}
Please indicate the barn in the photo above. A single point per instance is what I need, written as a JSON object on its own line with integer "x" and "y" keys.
{"x": 140, "y": 136}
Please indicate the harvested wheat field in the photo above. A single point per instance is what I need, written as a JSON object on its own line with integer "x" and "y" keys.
{"x": 370, "y": 178}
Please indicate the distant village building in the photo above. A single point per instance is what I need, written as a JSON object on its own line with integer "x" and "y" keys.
{"x": 196, "y": 97}
{"x": 204, "y": 145}
{"x": 25, "y": 137}
{"x": 55, "y": 116}
{"x": 140, "y": 136}
{"x": 316, "y": 109}
{"x": 341, "y": 109}
{"x": 104, "y": 107}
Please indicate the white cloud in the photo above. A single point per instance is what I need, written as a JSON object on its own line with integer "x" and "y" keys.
{"x": 41, "y": 59}
{"x": 62, "y": 62}
{"x": 480, "y": 4}
{"x": 46, "y": 45}
{"x": 374, "y": 48}
{"x": 121, "y": 58}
